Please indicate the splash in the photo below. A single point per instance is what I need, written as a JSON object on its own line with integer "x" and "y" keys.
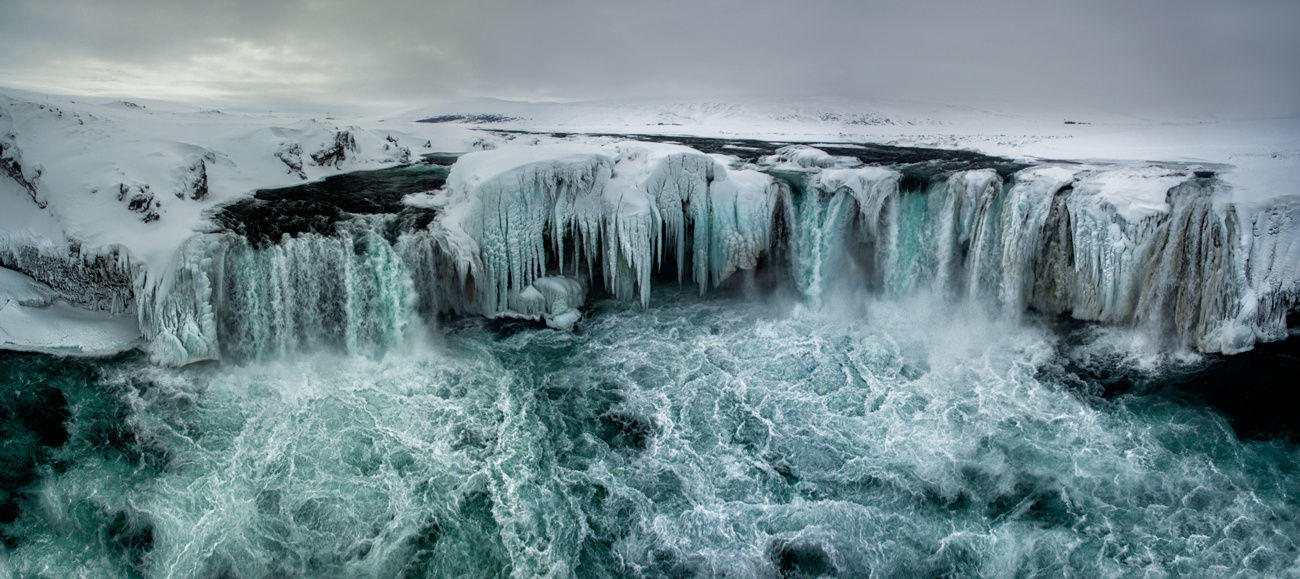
{"x": 697, "y": 437}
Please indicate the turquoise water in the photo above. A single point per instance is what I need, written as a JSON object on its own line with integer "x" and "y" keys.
{"x": 723, "y": 435}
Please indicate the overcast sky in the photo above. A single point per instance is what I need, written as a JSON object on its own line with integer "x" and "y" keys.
{"x": 1178, "y": 56}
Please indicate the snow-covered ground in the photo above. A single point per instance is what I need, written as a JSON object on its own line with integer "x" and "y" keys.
{"x": 128, "y": 183}
{"x": 33, "y": 318}
{"x": 141, "y": 176}
{"x": 1262, "y": 155}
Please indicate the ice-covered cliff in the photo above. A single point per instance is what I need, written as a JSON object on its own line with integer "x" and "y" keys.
{"x": 1151, "y": 245}
{"x": 99, "y": 195}
{"x": 610, "y": 214}
{"x": 112, "y": 211}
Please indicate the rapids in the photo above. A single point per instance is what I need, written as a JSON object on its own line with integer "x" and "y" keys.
{"x": 720, "y": 435}
{"x": 641, "y": 360}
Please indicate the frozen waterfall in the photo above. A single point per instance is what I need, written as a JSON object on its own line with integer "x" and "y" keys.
{"x": 530, "y": 232}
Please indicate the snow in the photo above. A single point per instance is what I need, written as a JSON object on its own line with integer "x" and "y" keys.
{"x": 1132, "y": 192}
{"x": 22, "y": 290}
{"x": 33, "y": 319}
{"x": 1258, "y": 156}
{"x": 86, "y": 153}
{"x": 126, "y": 188}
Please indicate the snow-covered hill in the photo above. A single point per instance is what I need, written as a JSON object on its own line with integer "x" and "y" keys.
{"x": 119, "y": 173}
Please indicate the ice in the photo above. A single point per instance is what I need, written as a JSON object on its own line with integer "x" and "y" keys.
{"x": 33, "y": 318}
{"x": 352, "y": 292}
{"x": 19, "y": 290}
{"x": 108, "y": 206}
{"x": 1025, "y": 211}
{"x": 529, "y": 231}
{"x": 554, "y": 300}
{"x": 609, "y": 213}
{"x": 807, "y": 157}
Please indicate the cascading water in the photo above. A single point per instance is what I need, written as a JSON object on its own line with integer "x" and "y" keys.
{"x": 855, "y": 421}
{"x": 1050, "y": 239}
{"x": 351, "y": 291}
{"x": 697, "y": 437}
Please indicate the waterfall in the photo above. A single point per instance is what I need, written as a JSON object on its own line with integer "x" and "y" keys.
{"x": 224, "y": 298}
{"x": 531, "y": 236}
{"x": 1184, "y": 267}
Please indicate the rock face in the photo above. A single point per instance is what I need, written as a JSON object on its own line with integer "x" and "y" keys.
{"x": 139, "y": 199}
{"x": 336, "y": 153}
{"x": 400, "y": 153}
{"x": 194, "y": 181}
{"x": 11, "y": 162}
{"x": 291, "y": 155}
{"x": 96, "y": 281}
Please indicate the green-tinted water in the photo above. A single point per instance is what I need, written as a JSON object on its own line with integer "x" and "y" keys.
{"x": 713, "y": 436}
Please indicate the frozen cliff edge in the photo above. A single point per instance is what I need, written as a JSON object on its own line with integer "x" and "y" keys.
{"x": 1152, "y": 245}
{"x": 518, "y": 233}
{"x": 98, "y": 195}
{"x": 111, "y": 210}
{"x": 610, "y": 214}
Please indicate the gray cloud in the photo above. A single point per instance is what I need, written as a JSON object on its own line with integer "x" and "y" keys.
{"x": 1175, "y": 56}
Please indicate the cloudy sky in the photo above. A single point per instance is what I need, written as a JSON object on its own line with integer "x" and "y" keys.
{"x": 1228, "y": 58}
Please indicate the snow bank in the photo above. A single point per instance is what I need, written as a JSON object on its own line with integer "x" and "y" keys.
{"x": 33, "y": 318}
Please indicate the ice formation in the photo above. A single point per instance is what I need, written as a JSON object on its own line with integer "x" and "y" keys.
{"x": 609, "y": 214}
{"x": 530, "y": 231}
{"x": 222, "y": 297}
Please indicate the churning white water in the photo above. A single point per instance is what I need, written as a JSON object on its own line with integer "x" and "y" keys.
{"x": 865, "y": 374}
{"x": 699, "y": 436}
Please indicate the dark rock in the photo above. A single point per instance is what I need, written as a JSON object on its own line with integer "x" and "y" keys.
{"x": 195, "y": 182}
{"x": 97, "y": 282}
{"x": 335, "y": 154}
{"x": 139, "y": 199}
{"x": 484, "y": 118}
{"x": 291, "y": 155}
{"x": 11, "y": 163}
